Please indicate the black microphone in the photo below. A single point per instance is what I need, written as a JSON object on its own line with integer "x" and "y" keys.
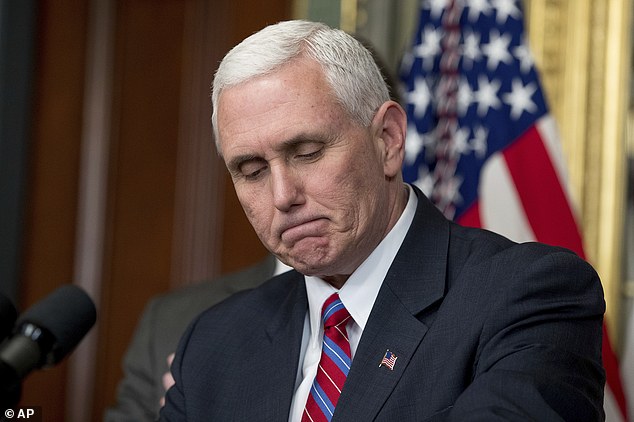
{"x": 43, "y": 336}
{"x": 8, "y": 315}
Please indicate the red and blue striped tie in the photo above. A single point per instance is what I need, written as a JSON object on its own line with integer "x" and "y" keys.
{"x": 334, "y": 363}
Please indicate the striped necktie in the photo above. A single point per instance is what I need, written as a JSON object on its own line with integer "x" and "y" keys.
{"x": 334, "y": 363}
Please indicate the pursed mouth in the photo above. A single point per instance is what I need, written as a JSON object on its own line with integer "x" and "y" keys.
{"x": 296, "y": 231}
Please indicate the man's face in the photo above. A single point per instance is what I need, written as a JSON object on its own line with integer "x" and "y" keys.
{"x": 311, "y": 180}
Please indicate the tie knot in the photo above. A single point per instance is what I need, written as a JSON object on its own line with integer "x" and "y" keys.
{"x": 333, "y": 312}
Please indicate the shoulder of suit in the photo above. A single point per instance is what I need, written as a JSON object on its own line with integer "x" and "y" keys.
{"x": 471, "y": 247}
{"x": 212, "y": 291}
{"x": 265, "y": 298}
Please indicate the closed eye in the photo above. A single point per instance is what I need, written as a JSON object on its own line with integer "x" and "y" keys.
{"x": 309, "y": 155}
{"x": 254, "y": 174}
{"x": 252, "y": 169}
{"x": 308, "y": 151}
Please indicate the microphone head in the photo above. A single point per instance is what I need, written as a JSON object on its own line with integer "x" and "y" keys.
{"x": 67, "y": 314}
{"x": 8, "y": 315}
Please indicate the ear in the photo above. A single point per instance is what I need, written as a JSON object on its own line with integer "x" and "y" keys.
{"x": 389, "y": 126}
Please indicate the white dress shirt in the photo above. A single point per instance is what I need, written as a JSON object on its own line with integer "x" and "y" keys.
{"x": 357, "y": 294}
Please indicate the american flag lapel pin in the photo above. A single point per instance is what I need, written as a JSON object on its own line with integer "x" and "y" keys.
{"x": 389, "y": 360}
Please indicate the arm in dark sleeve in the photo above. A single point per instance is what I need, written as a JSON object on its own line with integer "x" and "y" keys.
{"x": 174, "y": 409}
{"x": 540, "y": 349}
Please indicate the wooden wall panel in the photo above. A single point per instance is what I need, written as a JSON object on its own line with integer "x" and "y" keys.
{"x": 152, "y": 52}
{"x": 148, "y": 52}
{"x": 149, "y": 80}
{"x": 51, "y": 197}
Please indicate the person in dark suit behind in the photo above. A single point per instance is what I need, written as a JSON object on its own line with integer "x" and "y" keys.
{"x": 423, "y": 320}
{"x": 161, "y": 325}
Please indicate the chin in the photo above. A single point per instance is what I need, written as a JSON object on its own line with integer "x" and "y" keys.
{"x": 307, "y": 268}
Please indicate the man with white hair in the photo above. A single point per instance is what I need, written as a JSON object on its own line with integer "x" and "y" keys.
{"x": 393, "y": 313}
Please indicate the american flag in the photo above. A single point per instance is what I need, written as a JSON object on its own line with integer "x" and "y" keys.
{"x": 389, "y": 359}
{"x": 481, "y": 143}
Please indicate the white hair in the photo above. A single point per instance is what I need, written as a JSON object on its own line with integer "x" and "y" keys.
{"x": 349, "y": 67}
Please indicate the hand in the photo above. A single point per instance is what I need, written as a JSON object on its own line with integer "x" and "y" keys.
{"x": 168, "y": 380}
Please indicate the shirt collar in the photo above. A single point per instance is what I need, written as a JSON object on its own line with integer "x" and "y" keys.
{"x": 362, "y": 287}
{"x": 280, "y": 267}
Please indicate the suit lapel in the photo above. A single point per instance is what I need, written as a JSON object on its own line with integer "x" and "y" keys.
{"x": 274, "y": 368}
{"x": 415, "y": 282}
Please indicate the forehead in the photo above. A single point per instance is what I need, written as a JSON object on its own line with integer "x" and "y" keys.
{"x": 278, "y": 106}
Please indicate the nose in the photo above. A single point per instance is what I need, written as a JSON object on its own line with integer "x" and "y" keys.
{"x": 286, "y": 187}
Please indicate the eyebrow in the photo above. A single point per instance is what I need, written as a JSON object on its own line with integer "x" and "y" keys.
{"x": 300, "y": 139}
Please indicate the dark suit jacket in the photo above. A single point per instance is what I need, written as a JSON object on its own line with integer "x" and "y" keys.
{"x": 162, "y": 324}
{"x": 484, "y": 329}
